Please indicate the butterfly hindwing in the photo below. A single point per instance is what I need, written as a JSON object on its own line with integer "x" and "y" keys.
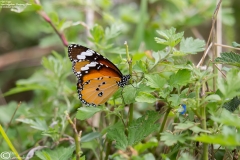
{"x": 98, "y": 90}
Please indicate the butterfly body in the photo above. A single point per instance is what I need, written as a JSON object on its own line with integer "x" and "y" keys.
{"x": 98, "y": 78}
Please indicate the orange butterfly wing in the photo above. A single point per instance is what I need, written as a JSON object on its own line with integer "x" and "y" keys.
{"x": 98, "y": 91}
{"x": 98, "y": 78}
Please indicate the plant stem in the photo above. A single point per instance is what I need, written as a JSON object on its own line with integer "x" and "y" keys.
{"x": 78, "y": 149}
{"x": 109, "y": 144}
{"x": 130, "y": 114}
{"x": 48, "y": 20}
{"x": 129, "y": 60}
{"x": 15, "y": 111}
{"x": 76, "y": 137}
{"x": 203, "y": 119}
{"x": 163, "y": 123}
{"x": 205, "y": 145}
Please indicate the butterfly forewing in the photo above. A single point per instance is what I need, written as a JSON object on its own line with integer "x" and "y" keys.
{"x": 80, "y": 53}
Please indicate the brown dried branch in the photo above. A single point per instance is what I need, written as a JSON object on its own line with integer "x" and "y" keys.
{"x": 211, "y": 33}
{"x": 24, "y": 54}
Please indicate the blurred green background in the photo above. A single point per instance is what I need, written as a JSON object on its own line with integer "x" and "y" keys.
{"x": 25, "y": 37}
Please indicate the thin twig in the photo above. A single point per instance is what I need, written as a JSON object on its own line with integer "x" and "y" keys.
{"x": 14, "y": 113}
{"x": 226, "y": 46}
{"x": 211, "y": 31}
{"x": 218, "y": 39}
{"x": 212, "y": 35}
{"x": 48, "y": 20}
{"x": 76, "y": 137}
{"x": 204, "y": 55}
{"x": 219, "y": 69}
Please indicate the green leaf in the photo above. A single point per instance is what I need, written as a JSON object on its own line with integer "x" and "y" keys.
{"x": 142, "y": 127}
{"x": 142, "y": 147}
{"x": 29, "y": 87}
{"x": 97, "y": 33}
{"x": 235, "y": 44}
{"x": 227, "y": 118}
{"x": 116, "y": 133}
{"x": 137, "y": 130}
{"x": 56, "y": 154}
{"x": 230, "y": 140}
{"x": 230, "y": 87}
{"x": 52, "y": 132}
{"x": 67, "y": 24}
{"x": 145, "y": 97}
{"x": 229, "y": 58}
{"x": 169, "y": 37}
{"x": 186, "y": 156}
{"x": 192, "y": 46}
{"x": 90, "y": 145}
{"x": 155, "y": 81}
{"x": 87, "y": 112}
{"x": 197, "y": 130}
{"x": 112, "y": 32}
{"x": 156, "y": 56}
{"x": 189, "y": 125}
{"x": 170, "y": 139}
{"x": 166, "y": 92}
{"x": 90, "y": 136}
{"x": 182, "y": 77}
{"x": 148, "y": 156}
{"x": 159, "y": 56}
{"x": 129, "y": 94}
{"x": 232, "y": 105}
{"x": 177, "y": 53}
{"x": 212, "y": 98}
{"x": 140, "y": 66}
{"x": 39, "y": 124}
{"x": 174, "y": 99}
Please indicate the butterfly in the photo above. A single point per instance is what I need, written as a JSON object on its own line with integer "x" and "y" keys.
{"x": 98, "y": 78}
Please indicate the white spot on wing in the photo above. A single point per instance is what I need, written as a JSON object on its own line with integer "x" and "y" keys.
{"x": 92, "y": 64}
{"x": 89, "y": 50}
{"x": 87, "y": 53}
{"x": 81, "y": 57}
